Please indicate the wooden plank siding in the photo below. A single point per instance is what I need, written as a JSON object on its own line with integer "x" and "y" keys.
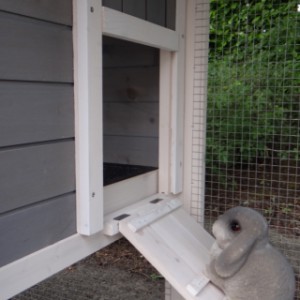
{"x": 131, "y": 150}
{"x": 56, "y": 11}
{"x": 34, "y": 173}
{"x": 37, "y": 151}
{"x": 34, "y": 50}
{"x": 130, "y": 103}
{"x": 27, "y": 230}
{"x": 44, "y": 112}
{"x": 134, "y": 119}
{"x": 136, "y": 8}
{"x": 160, "y": 12}
{"x": 118, "y": 54}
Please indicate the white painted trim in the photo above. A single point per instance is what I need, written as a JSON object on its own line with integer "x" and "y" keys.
{"x": 88, "y": 111}
{"x": 123, "y": 26}
{"x": 111, "y": 224}
{"x": 165, "y": 71}
{"x": 31, "y": 269}
{"x": 177, "y": 102}
{"x": 172, "y": 99}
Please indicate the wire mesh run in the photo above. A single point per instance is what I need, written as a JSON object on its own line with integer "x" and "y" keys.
{"x": 253, "y": 116}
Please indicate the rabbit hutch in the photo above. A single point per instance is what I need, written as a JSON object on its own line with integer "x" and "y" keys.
{"x": 103, "y": 121}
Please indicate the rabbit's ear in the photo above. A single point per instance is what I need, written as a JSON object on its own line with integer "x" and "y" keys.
{"x": 235, "y": 255}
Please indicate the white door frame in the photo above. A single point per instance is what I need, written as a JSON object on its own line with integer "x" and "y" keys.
{"x": 91, "y": 21}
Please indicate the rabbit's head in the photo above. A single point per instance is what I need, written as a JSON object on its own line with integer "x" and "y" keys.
{"x": 237, "y": 232}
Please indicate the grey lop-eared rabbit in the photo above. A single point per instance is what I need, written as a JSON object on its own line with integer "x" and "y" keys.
{"x": 243, "y": 263}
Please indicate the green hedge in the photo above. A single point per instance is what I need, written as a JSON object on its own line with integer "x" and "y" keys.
{"x": 254, "y": 82}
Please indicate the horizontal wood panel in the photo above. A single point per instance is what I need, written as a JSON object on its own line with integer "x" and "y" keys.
{"x": 35, "y": 51}
{"x": 27, "y": 230}
{"x": 136, "y": 8}
{"x": 118, "y": 53}
{"x": 133, "y": 119}
{"x": 131, "y": 84}
{"x": 131, "y": 150}
{"x": 156, "y": 12}
{"x": 35, "y": 112}
{"x": 114, "y": 4}
{"x": 58, "y": 11}
{"x": 34, "y": 173}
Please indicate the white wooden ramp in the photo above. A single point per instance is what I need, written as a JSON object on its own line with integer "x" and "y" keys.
{"x": 173, "y": 243}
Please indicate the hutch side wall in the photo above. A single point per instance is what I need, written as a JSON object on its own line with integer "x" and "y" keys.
{"x": 37, "y": 152}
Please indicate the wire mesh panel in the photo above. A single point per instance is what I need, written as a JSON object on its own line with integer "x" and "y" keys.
{"x": 253, "y": 116}
{"x": 200, "y": 66}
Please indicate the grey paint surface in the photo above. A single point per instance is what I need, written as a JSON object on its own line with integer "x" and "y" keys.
{"x": 156, "y": 12}
{"x": 58, "y": 11}
{"x": 114, "y": 4}
{"x": 34, "y": 112}
{"x": 37, "y": 151}
{"x": 136, "y": 8}
{"x": 33, "y": 50}
{"x": 160, "y": 12}
{"x": 34, "y": 173}
{"x": 32, "y": 228}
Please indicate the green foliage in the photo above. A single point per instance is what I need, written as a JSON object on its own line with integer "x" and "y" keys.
{"x": 241, "y": 29}
{"x": 254, "y": 81}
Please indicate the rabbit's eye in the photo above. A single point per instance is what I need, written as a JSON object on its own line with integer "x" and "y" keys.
{"x": 235, "y": 226}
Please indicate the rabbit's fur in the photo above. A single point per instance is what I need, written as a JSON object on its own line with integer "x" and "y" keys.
{"x": 243, "y": 262}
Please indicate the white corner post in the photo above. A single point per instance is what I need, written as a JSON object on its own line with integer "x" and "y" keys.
{"x": 177, "y": 102}
{"x": 172, "y": 93}
{"x": 87, "y": 28}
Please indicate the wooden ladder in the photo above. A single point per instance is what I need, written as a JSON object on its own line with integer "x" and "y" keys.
{"x": 171, "y": 240}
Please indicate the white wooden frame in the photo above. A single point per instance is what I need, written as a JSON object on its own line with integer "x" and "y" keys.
{"x": 122, "y": 26}
{"x": 88, "y": 111}
{"x": 177, "y": 102}
{"x": 91, "y": 21}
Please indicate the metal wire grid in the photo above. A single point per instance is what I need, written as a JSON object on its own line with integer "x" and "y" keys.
{"x": 253, "y": 116}
{"x": 201, "y": 38}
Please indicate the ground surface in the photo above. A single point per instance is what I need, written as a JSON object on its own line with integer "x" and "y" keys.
{"x": 117, "y": 272}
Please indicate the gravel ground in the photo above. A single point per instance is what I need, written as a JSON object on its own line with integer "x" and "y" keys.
{"x": 118, "y": 272}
